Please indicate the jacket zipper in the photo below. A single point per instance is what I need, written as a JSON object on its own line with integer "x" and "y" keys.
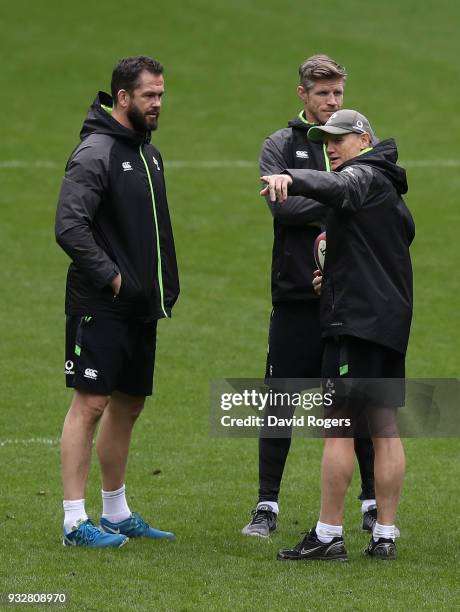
{"x": 326, "y": 159}
{"x": 328, "y": 169}
{"x": 159, "y": 267}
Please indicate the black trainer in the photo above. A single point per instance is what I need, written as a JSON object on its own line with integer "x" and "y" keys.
{"x": 312, "y": 548}
{"x": 369, "y": 519}
{"x": 263, "y": 522}
{"x": 382, "y": 549}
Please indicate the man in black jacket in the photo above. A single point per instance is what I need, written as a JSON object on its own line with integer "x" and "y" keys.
{"x": 366, "y": 311}
{"x": 294, "y": 348}
{"x": 113, "y": 222}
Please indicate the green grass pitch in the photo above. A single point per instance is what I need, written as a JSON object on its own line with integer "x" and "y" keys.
{"x": 230, "y": 79}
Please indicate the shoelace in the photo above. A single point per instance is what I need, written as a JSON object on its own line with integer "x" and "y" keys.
{"x": 86, "y": 533}
{"x": 259, "y": 516}
{"x": 373, "y": 516}
{"x": 304, "y": 540}
{"x": 138, "y": 521}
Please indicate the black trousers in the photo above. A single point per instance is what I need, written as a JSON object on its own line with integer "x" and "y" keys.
{"x": 295, "y": 351}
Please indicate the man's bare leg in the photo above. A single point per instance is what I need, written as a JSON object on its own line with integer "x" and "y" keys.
{"x": 76, "y": 441}
{"x": 336, "y": 474}
{"x": 326, "y": 541}
{"x": 114, "y": 437}
{"x": 389, "y": 475}
{"x": 76, "y": 444}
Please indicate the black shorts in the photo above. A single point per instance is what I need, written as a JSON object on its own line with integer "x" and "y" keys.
{"x": 363, "y": 379}
{"x": 105, "y": 355}
{"x": 294, "y": 343}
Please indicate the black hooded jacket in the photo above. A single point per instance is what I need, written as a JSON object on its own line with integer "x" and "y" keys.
{"x": 298, "y": 221}
{"x": 367, "y": 282}
{"x": 112, "y": 217}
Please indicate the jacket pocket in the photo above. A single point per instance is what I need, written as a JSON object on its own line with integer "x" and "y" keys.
{"x": 128, "y": 289}
{"x": 131, "y": 290}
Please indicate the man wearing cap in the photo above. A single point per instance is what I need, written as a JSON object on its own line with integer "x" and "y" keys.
{"x": 366, "y": 311}
{"x": 294, "y": 346}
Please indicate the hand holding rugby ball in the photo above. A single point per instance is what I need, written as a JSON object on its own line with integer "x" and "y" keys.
{"x": 319, "y": 251}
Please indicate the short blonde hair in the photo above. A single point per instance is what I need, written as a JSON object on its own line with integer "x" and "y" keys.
{"x": 319, "y": 67}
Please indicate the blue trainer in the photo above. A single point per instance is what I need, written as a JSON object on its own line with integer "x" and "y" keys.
{"x": 135, "y": 527}
{"x": 86, "y": 534}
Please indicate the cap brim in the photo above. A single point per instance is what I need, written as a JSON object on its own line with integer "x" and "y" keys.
{"x": 318, "y": 132}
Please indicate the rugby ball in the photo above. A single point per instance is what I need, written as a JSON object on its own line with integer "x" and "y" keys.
{"x": 319, "y": 251}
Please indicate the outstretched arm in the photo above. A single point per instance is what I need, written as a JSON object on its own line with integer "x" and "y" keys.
{"x": 297, "y": 209}
{"x": 347, "y": 189}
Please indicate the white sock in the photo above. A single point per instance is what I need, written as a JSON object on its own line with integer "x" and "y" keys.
{"x": 114, "y": 505}
{"x": 326, "y": 532}
{"x": 74, "y": 511}
{"x": 368, "y": 504}
{"x": 383, "y": 531}
{"x": 273, "y": 505}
